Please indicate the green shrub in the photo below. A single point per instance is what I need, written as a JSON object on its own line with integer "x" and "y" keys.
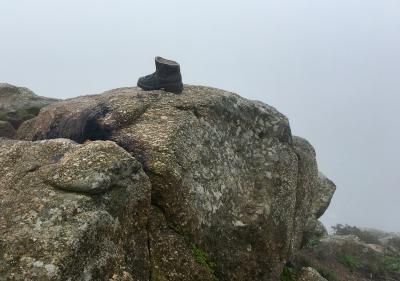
{"x": 392, "y": 263}
{"x": 202, "y": 259}
{"x": 287, "y": 274}
{"x": 328, "y": 274}
{"x": 350, "y": 261}
{"x": 313, "y": 242}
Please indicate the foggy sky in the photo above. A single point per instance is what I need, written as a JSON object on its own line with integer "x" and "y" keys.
{"x": 332, "y": 67}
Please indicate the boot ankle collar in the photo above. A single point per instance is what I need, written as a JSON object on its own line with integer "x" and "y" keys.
{"x": 161, "y": 60}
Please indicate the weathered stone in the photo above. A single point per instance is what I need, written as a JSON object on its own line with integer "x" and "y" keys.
{"x": 326, "y": 189}
{"x": 26, "y": 129}
{"x": 306, "y": 192}
{"x": 174, "y": 256}
{"x": 316, "y": 188}
{"x": 50, "y": 234}
{"x": 94, "y": 168}
{"x": 18, "y": 104}
{"x": 226, "y": 174}
{"x": 320, "y": 229}
{"x": 313, "y": 230}
{"x": 310, "y": 274}
{"x": 220, "y": 166}
{"x": 6, "y": 130}
{"x": 322, "y": 196}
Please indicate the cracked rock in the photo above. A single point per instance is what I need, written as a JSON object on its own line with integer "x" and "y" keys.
{"x": 50, "y": 234}
{"x": 232, "y": 187}
{"x": 93, "y": 168}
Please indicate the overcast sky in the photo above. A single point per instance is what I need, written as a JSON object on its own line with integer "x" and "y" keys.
{"x": 333, "y": 67}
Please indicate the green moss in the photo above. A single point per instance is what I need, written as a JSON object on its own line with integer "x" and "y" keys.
{"x": 200, "y": 255}
{"x": 287, "y": 274}
{"x": 392, "y": 263}
{"x": 314, "y": 242}
{"x": 202, "y": 259}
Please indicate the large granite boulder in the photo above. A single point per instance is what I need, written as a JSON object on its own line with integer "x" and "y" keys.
{"x": 18, "y": 104}
{"x": 231, "y": 190}
{"x": 47, "y": 233}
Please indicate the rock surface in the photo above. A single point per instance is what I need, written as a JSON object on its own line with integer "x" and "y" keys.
{"x": 6, "y": 130}
{"x": 25, "y": 129}
{"x": 18, "y": 104}
{"x": 174, "y": 256}
{"x": 310, "y": 274}
{"x": 49, "y": 234}
{"x": 95, "y": 168}
{"x": 323, "y": 194}
{"x": 231, "y": 189}
{"x": 326, "y": 189}
{"x": 307, "y": 191}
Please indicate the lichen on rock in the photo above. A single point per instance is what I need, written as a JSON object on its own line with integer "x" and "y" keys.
{"x": 93, "y": 168}
{"x": 226, "y": 175}
{"x": 50, "y": 234}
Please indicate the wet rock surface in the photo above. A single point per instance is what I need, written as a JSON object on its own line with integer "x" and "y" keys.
{"x": 231, "y": 189}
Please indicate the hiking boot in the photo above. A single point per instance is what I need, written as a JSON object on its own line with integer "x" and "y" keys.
{"x": 167, "y": 77}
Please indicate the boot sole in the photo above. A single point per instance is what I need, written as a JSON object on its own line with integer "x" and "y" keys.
{"x": 172, "y": 88}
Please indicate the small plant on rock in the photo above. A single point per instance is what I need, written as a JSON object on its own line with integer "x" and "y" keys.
{"x": 287, "y": 274}
{"x": 350, "y": 261}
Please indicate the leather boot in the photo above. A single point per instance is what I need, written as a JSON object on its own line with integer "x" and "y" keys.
{"x": 167, "y": 77}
